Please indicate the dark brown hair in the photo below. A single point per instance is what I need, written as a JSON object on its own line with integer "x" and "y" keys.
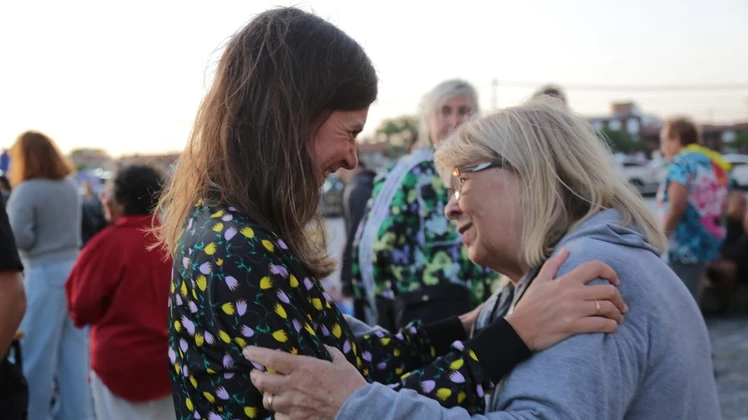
{"x": 137, "y": 188}
{"x": 278, "y": 80}
{"x": 684, "y": 129}
{"x": 35, "y": 156}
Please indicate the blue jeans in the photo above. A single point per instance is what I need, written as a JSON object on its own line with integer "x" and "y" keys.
{"x": 53, "y": 348}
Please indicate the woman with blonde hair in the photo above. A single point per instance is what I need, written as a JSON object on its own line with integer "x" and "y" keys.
{"x": 45, "y": 215}
{"x": 527, "y": 182}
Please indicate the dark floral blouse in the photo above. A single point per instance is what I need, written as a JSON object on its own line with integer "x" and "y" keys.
{"x": 235, "y": 284}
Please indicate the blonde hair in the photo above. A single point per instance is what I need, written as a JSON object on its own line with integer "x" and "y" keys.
{"x": 434, "y": 99}
{"x": 565, "y": 169}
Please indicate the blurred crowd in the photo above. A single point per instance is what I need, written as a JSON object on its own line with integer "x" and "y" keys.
{"x": 94, "y": 328}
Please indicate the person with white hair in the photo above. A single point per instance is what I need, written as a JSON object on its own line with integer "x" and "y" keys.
{"x": 528, "y": 183}
{"x": 408, "y": 261}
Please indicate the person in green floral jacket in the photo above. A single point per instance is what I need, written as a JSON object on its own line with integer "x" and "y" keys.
{"x": 409, "y": 261}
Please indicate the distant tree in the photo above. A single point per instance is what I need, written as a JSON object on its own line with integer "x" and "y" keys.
{"x": 740, "y": 143}
{"x": 399, "y": 133}
{"x": 89, "y": 158}
{"x": 621, "y": 141}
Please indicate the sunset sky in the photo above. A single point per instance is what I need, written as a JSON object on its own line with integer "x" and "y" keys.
{"x": 128, "y": 76}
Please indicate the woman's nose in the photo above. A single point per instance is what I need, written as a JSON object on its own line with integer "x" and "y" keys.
{"x": 351, "y": 160}
{"x": 452, "y": 211}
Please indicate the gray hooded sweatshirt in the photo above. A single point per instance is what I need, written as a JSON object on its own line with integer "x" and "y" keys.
{"x": 657, "y": 365}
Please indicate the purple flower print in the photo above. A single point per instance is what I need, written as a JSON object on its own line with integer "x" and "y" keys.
{"x": 428, "y": 386}
{"x": 246, "y": 331}
{"x": 222, "y": 394}
{"x": 279, "y": 270}
{"x": 282, "y": 296}
{"x": 228, "y": 362}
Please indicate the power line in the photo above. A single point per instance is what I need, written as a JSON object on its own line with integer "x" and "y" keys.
{"x": 630, "y": 88}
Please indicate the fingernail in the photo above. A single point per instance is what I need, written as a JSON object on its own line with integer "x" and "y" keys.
{"x": 625, "y": 308}
{"x": 247, "y": 352}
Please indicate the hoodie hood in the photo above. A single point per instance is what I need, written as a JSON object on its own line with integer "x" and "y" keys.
{"x": 606, "y": 226}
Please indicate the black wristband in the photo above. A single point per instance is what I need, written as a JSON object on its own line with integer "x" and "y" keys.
{"x": 443, "y": 333}
{"x": 499, "y": 349}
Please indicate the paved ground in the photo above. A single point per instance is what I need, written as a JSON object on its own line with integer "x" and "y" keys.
{"x": 730, "y": 347}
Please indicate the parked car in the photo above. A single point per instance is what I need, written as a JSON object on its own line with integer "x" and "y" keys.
{"x": 641, "y": 173}
{"x": 739, "y": 171}
{"x": 331, "y": 204}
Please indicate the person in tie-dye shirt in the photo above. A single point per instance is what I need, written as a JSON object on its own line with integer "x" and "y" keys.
{"x": 692, "y": 199}
{"x": 409, "y": 261}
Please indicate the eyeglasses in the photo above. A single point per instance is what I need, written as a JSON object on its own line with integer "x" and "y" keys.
{"x": 457, "y": 178}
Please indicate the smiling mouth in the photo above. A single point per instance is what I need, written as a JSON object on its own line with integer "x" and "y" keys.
{"x": 461, "y": 230}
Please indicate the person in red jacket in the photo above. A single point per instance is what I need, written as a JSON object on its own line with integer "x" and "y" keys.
{"x": 120, "y": 287}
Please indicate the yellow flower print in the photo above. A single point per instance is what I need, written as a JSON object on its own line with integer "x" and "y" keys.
{"x": 294, "y": 350}
{"x": 224, "y": 337}
{"x": 193, "y": 381}
{"x": 240, "y": 342}
{"x": 183, "y": 289}
{"x": 473, "y": 355}
{"x": 173, "y": 287}
{"x": 461, "y": 397}
{"x": 337, "y": 331}
{"x": 248, "y": 232}
{"x": 268, "y": 245}
{"x": 217, "y": 214}
{"x": 202, "y": 282}
{"x": 210, "y": 249}
{"x": 208, "y": 396}
{"x": 317, "y": 304}
{"x": 188, "y": 403}
{"x": 396, "y": 352}
{"x": 219, "y": 262}
{"x": 385, "y": 341}
{"x": 293, "y": 281}
{"x": 457, "y": 364}
{"x": 218, "y": 227}
{"x": 309, "y": 329}
{"x": 228, "y": 308}
{"x": 177, "y": 326}
{"x": 280, "y": 311}
{"x": 266, "y": 283}
{"x": 280, "y": 336}
{"x": 251, "y": 412}
{"x": 443, "y": 393}
{"x": 199, "y": 339}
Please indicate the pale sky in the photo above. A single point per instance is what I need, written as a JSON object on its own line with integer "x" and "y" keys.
{"x": 128, "y": 76}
